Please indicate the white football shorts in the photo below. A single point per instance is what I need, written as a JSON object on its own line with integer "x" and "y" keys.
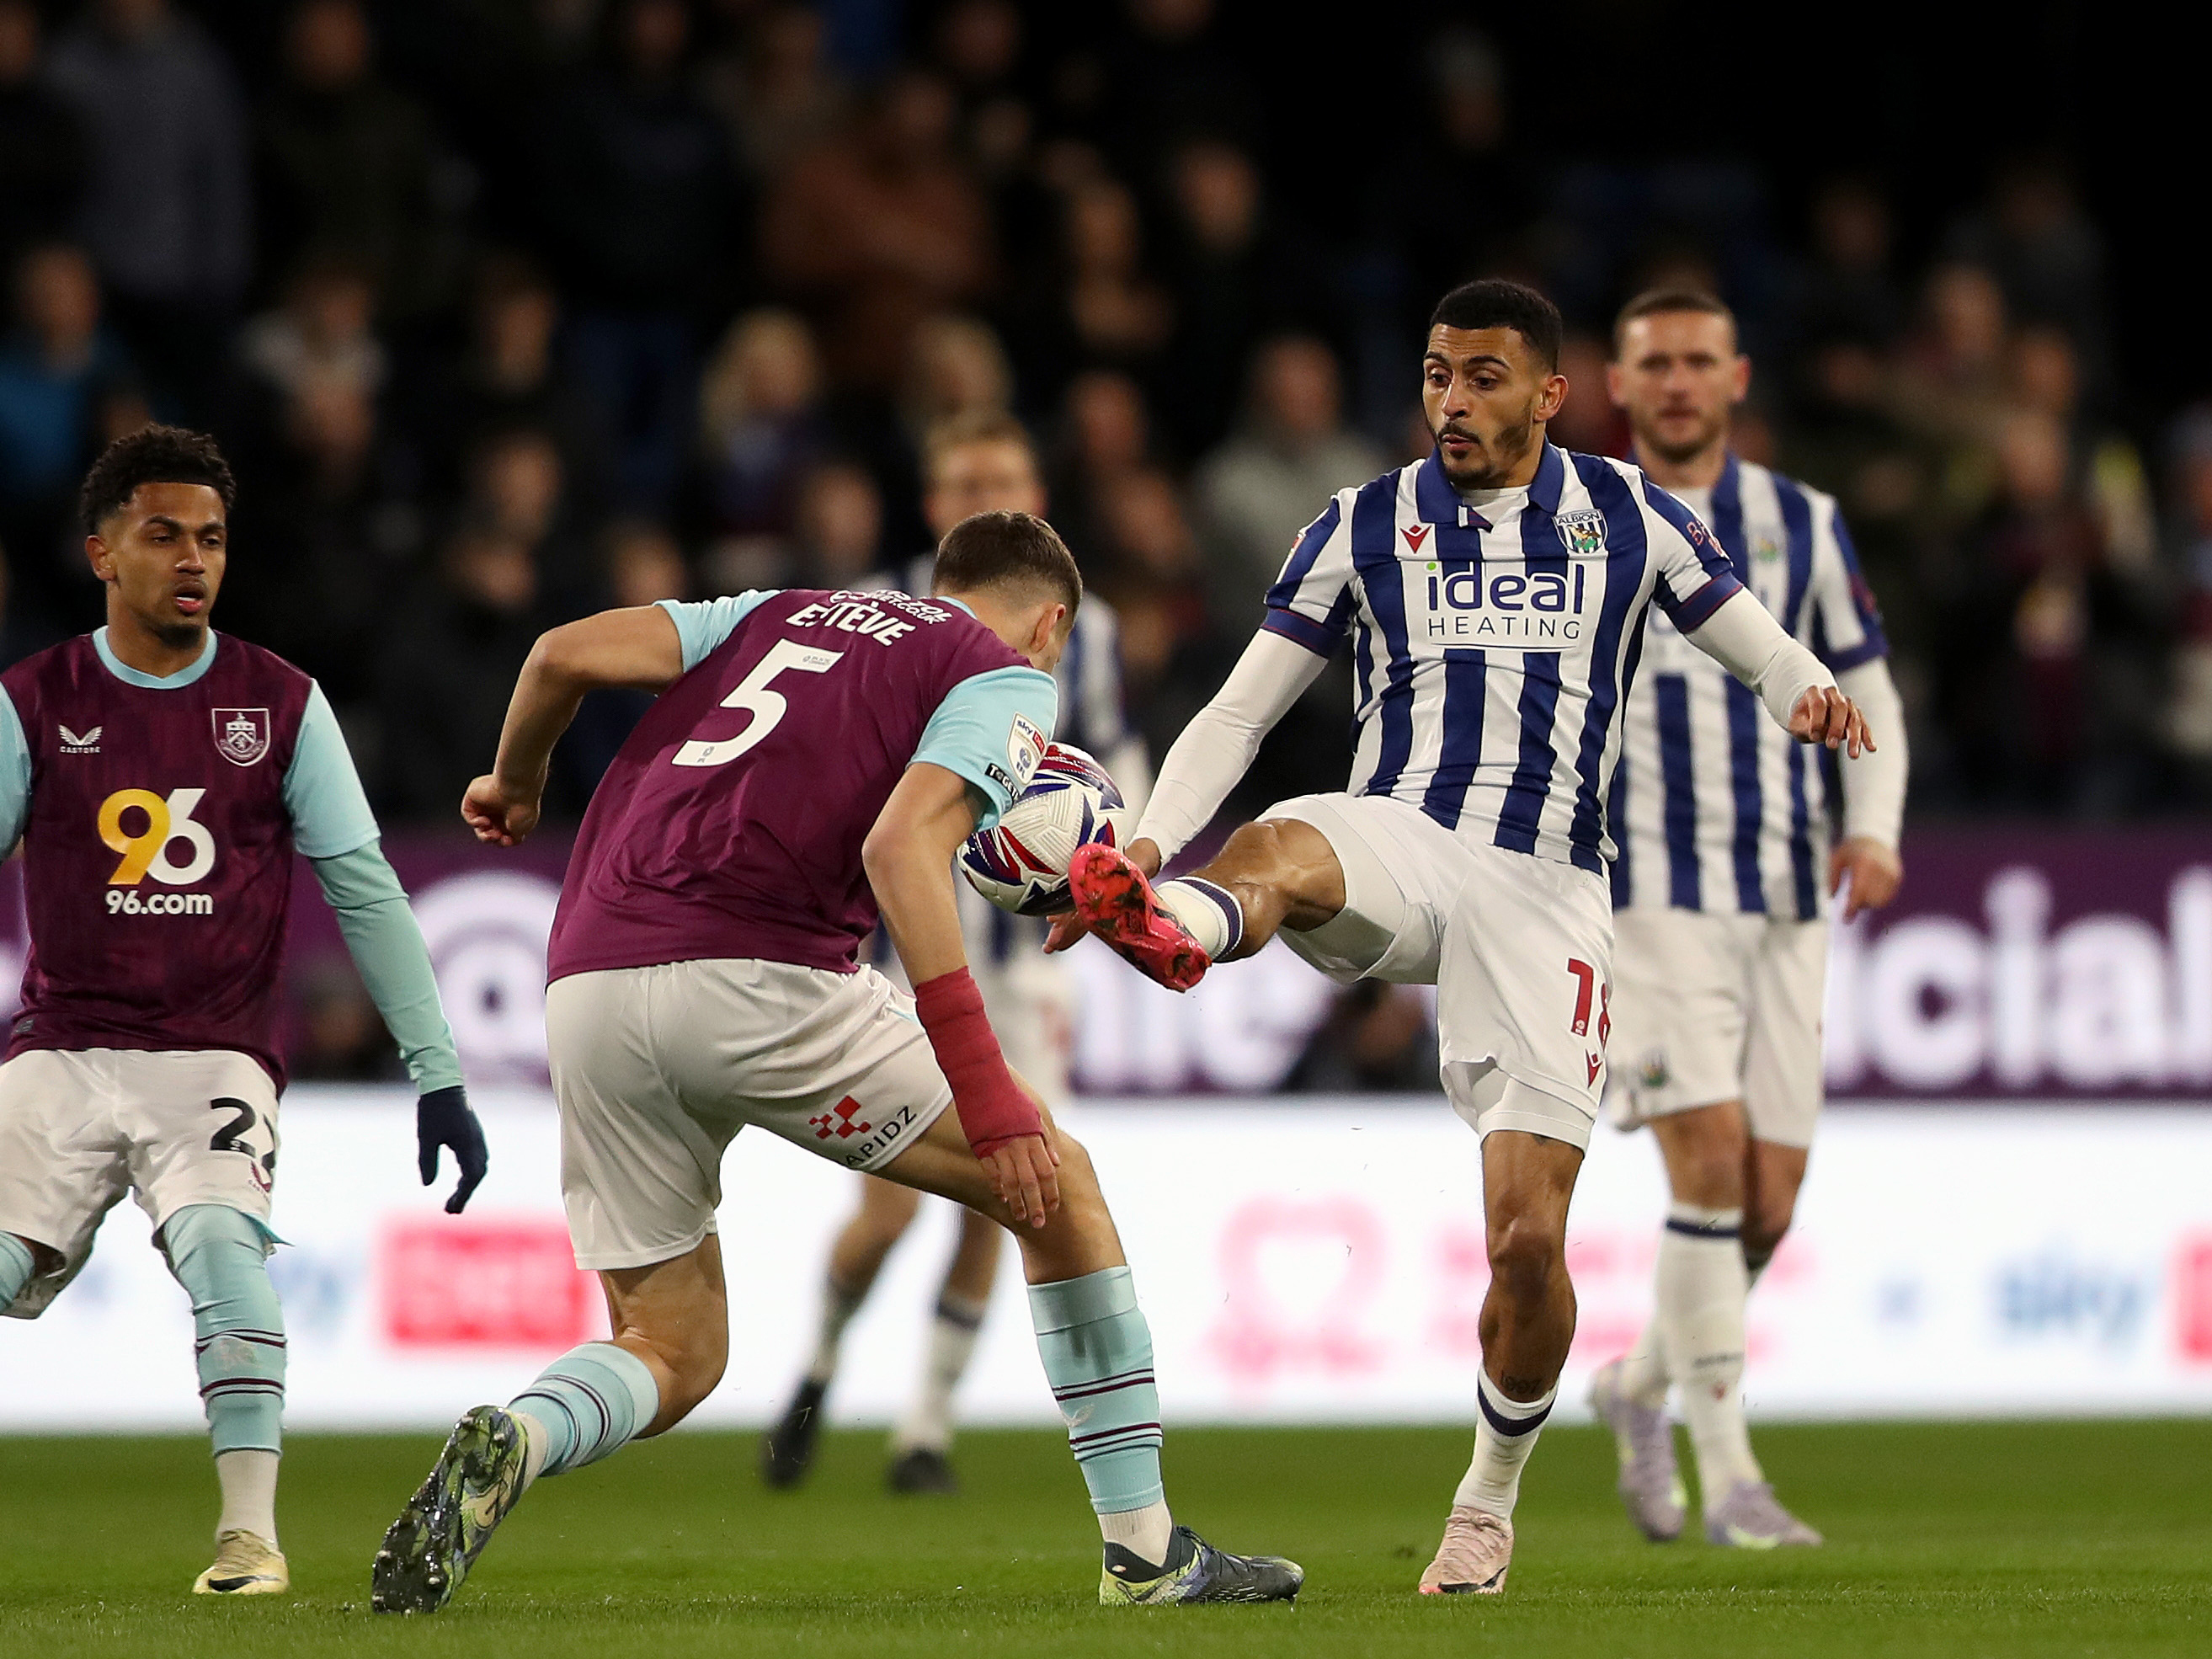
{"x": 1519, "y": 948}
{"x": 81, "y": 1127}
{"x": 656, "y": 1069}
{"x": 1710, "y": 1008}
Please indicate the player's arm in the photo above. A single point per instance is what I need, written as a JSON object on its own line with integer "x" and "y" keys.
{"x": 331, "y": 824}
{"x": 1848, "y": 627}
{"x": 15, "y": 775}
{"x": 977, "y": 753}
{"x": 644, "y": 647}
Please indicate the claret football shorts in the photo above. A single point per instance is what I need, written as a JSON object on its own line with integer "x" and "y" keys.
{"x": 1519, "y": 948}
{"x": 81, "y": 1127}
{"x": 1709, "y": 1008}
{"x": 656, "y": 1069}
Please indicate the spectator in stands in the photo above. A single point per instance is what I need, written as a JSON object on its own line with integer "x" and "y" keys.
{"x": 1169, "y": 73}
{"x": 42, "y": 148}
{"x": 347, "y": 159}
{"x": 323, "y": 335}
{"x": 878, "y": 227}
{"x": 2189, "y": 716}
{"x": 840, "y": 528}
{"x": 444, "y": 680}
{"x": 1949, "y": 390}
{"x": 1104, "y": 432}
{"x": 1103, "y": 308}
{"x": 519, "y": 491}
{"x": 1265, "y": 484}
{"x": 168, "y": 213}
{"x": 66, "y": 387}
{"x": 2108, "y": 473}
{"x": 2046, "y": 256}
{"x": 329, "y": 530}
{"x": 509, "y": 376}
{"x": 641, "y": 214}
{"x": 1378, "y": 1039}
{"x": 1846, "y": 291}
{"x": 761, "y": 424}
{"x": 776, "y": 94}
{"x": 1232, "y": 279}
{"x": 642, "y": 565}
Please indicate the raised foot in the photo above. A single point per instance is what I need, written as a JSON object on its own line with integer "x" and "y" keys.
{"x": 1113, "y": 897}
{"x": 1650, "y": 1484}
{"x": 427, "y": 1552}
{"x": 1478, "y": 1548}
{"x": 1195, "y": 1571}
{"x": 922, "y": 1470}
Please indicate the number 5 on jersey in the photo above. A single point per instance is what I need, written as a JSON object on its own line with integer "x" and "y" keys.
{"x": 753, "y": 694}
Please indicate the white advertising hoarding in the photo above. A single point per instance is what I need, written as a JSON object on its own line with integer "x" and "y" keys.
{"x": 1299, "y": 1262}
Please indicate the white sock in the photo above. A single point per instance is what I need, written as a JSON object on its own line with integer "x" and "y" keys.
{"x": 535, "y": 1439}
{"x": 1143, "y": 1532}
{"x": 839, "y": 1304}
{"x": 928, "y": 1425}
{"x": 1504, "y": 1438}
{"x": 1644, "y": 1368}
{"x": 248, "y": 1478}
{"x": 1212, "y": 914}
{"x": 1702, "y": 1285}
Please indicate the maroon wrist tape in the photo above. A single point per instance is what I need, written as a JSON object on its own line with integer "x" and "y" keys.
{"x": 993, "y": 1108}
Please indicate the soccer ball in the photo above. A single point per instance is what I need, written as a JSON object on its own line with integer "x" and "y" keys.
{"x": 1020, "y": 863}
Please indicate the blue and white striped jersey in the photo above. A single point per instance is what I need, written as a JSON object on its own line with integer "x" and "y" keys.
{"x": 1495, "y": 640}
{"x": 1716, "y": 809}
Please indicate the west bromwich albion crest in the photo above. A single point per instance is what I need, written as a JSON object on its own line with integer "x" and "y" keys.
{"x": 1582, "y": 531}
{"x": 241, "y": 734}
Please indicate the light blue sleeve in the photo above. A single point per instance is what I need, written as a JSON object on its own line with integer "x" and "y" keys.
{"x": 322, "y": 790}
{"x": 702, "y": 624}
{"x": 382, "y": 937}
{"x": 14, "y": 774}
{"x": 992, "y": 729}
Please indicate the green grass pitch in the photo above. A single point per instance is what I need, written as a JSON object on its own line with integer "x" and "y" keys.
{"x": 1958, "y": 1540}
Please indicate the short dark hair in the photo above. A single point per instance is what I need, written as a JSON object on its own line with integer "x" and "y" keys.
{"x": 152, "y": 454}
{"x": 1494, "y": 302}
{"x": 991, "y": 550}
{"x": 1665, "y": 302}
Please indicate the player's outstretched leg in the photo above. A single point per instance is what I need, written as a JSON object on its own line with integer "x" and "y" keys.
{"x": 924, "y": 1435}
{"x": 670, "y": 1343}
{"x": 1279, "y": 872}
{"x": 856, "y": 1256}
{"x": 1097, "y": 1354}
{"x": 1527, "y": 1323}
{"x": 220, "y": 1256}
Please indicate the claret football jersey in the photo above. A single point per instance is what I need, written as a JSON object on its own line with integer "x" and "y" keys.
{"x": 158, "y": 818}
{"x": 731, "y": 823}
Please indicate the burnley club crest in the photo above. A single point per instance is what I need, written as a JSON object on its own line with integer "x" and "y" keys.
{"x": 1582, "y": 531}
{"x": 241, "y": 734}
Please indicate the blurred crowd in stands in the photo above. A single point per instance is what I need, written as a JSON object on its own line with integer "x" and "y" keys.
{"x": 510, "y": 309}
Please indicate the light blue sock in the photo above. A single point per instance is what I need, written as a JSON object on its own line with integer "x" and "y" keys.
{"x": 1097, "y": 1354}
{"x": 220, "y": 1256}
{"x": 16, "y": 1267}
{"x": 590, "y": 1401}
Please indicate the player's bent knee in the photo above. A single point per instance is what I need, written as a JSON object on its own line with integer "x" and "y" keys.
{"x": 1525, "y": 1252}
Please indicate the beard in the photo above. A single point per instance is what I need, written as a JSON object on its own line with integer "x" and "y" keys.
{"x": 1676, "y": 451}
{"x": 1487, "y": 468}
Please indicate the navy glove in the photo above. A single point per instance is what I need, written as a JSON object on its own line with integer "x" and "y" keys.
{"x": 442, "y": 1118}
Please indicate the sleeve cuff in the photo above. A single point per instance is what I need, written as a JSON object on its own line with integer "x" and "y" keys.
{"x": 1317, "y": 637}
{"x": 1691, "y": 614}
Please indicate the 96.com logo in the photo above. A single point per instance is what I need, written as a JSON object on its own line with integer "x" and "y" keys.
{"x": 147, "y": 828}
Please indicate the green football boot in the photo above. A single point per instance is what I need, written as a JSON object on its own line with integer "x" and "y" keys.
{"x": 1195, "y": 1571}
{"x": 429, "y": 1549}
